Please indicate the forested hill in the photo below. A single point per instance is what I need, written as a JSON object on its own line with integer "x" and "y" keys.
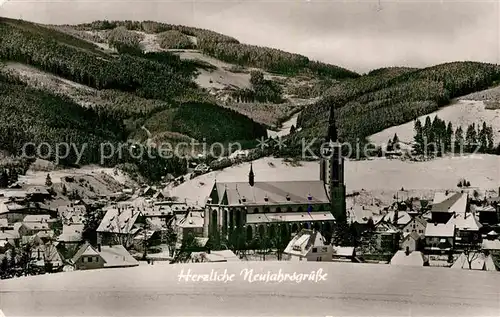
{"x": 392, "y": 96}
{"x": 226, "y": 48}
{"x": 105, "y": 81}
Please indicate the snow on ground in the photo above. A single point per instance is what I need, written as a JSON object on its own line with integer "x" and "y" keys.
{"x": 488, "y": 94}
{"x": 381, "y": 176}
{"x": 38, "y": 177}
{"x": 285, "y": 128}
{"x": 461, "y": 112}
{"x": 219, "y": 78}
{"x": 32, "y": 74}
{"x": 349, "y": 289}
{"x": 149, "y": 42}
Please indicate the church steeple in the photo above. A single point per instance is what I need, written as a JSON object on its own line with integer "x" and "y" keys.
{"x": 251, "y": 176}
{"x": 332, "y": 129}
{"x": 332, "y": 170}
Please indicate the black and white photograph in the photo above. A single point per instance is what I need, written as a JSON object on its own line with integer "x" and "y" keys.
{"x": 249, "y": 158}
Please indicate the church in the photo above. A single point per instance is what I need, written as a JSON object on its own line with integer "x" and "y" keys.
{"x": 270, "y": 208}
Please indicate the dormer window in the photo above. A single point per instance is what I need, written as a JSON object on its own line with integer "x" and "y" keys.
{"x": 266, "y": 198}
{"x": 309, "y": 197}
{"x": 287, "y": 197}
{"x": 243, "y": 199}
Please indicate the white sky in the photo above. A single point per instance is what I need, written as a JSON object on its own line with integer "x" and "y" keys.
{"x": 357, "y": 34}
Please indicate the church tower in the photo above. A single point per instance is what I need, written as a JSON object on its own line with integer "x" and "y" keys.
{"x": 332, "y": 171}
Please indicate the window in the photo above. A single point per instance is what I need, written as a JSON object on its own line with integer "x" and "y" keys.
{"x": 256, "y": 210}
{"x": 324, "y": 249}
{"x": 315, "y": 250}
{"x": 89, "y": 259}
{"x": 267, "y": 209}
{"x": 278, "y": 209}
{"x": 318, "y": 259}
{"x": 420, "y": 231}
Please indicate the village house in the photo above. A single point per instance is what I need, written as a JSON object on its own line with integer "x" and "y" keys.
{"x": 467, "y": 230}
{"x": 488, "y": 215}
{"x": 115, "y": 256}
{"x": 411, "y": 241}
{"x": 417, "y": 225}
{"x": 408, "y": 258}
{"x": 214, "y": 256}
{"x": 36, "y": 224}
{"x": 38, "y": 194}
{"x": 308, "y": 245}
{"x": 491, "y": 243}
{"x": 363, "y": 218}
{"x": 71, "y": 234}
{"x": 118, "y": 225}
{"x": 46, "y": 256}
{"x": 398, "y": 218}
{"x": 387, "y": 236}
{"x": 344, "y": 254}
{"x": 446, "y": 204}
{"x": 439, "y": 238}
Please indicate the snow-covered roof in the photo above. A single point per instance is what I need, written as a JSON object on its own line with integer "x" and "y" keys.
{"x": 440, "y": 230}
{"x": 415, "y": 258}
{"x": 491, "y": 245}
{"x": 403, "y": 217}
{"x": 119, "y": 220}
{"x": 343, "y": 251}
{"x": 71, "y": 233}
{"x": 36, "y": 218}
{"x": 361, "y": 214}
{"x": 289, "y": 217}
{"x": 451, "y": 202}
{"x": 302, "y": 243}
{"x": 478, "y": 261}
{"x": 466, "y": 222}
{"x": 194, "y": 219}
{"x": 117, "y": 256}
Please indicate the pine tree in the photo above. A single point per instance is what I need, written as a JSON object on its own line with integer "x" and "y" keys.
{"x": 395, "y": 142}
{"x": 471, "y": 138}
{"x": 427, "y": 130}
{"x": 292, "y": 129}
{"x": 4, "y": 179}
{"x": 483, "y": 141}
{"x": 418, "y": 138}
{"x": 48, "y": 181}
{"x": 489, "y": 138}
{"x": 459, "y": 139}
{"x": 449, "y": 136}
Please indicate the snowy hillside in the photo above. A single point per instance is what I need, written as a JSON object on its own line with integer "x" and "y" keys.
{"x": 348, "y": 290}
{"x": 460, "y": 113}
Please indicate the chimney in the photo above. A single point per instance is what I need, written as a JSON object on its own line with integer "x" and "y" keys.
{"x": 99, "y": 247}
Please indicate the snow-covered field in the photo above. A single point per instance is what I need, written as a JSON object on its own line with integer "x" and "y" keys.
{"x": 382, "y": 176}
{"x": 285, "y": 128}
{"x": 348, "y": 290}
{"x": 460, "y": 113}
{"x": 37, "y": 178}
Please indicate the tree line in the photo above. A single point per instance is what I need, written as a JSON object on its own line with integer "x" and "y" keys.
{"x": 439, "y": 136}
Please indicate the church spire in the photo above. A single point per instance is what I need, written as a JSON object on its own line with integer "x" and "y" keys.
{"x": 332, "y": 129}
{"x": 251, "y": 176}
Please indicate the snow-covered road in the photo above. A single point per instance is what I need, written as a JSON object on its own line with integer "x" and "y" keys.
{"x": 349, "y": 290}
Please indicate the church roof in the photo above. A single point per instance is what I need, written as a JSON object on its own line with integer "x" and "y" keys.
{"x": 283, "y": 192}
